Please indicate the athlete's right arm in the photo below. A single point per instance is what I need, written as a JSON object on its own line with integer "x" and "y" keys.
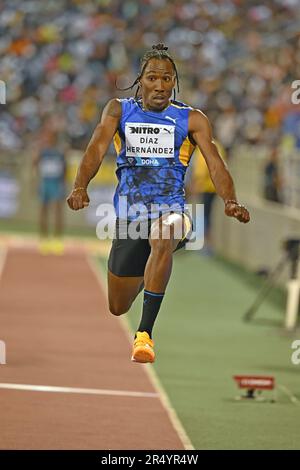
{"x": 94, "y": 154}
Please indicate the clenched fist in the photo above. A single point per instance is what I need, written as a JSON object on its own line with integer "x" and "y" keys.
{"x": 78, "y": 199}
{"x": 234, "y": 209}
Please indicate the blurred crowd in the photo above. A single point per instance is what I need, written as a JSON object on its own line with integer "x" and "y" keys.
{"x": 60, "y": 60}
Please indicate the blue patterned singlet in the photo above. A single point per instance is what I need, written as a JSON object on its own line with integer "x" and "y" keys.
{"x": 153, "y": 153}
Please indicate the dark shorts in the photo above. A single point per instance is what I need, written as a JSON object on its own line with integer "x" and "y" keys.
{"x": 51, "y": 190}
{"x": 128, "y": 257}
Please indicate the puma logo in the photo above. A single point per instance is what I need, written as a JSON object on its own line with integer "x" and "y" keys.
{"x": 171, "y": 119}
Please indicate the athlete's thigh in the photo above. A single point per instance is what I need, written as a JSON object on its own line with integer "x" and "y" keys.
{"x": 129, "y": 251}
{"x": 126, "y": 266}
{"x": 171, "y": 226}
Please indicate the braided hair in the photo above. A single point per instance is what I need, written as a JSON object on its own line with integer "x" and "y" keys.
{"x": 159, "y": 51}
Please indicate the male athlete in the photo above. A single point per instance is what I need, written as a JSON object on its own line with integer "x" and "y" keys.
{"x": 154, "y": 137}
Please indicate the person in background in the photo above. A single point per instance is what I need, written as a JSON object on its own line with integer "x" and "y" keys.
{"x": 50, "y": 167}
{"x": 272, "y": 180}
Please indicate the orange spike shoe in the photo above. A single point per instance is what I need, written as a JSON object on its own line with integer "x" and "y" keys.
{"x": 143, "y": 348}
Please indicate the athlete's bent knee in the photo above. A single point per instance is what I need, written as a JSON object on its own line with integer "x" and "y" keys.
{"x": 117, "y": 309}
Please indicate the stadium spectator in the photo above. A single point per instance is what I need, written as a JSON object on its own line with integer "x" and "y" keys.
{"x": 237, "y": 59}
{"x": 272, "y": 180}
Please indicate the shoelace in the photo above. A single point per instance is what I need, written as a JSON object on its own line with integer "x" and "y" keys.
{"x": 143, "y": 341}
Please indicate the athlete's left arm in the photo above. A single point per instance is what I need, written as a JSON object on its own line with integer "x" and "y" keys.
{"x": 201, "y": 134}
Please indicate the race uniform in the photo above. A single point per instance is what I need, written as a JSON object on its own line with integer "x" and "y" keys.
{"x": 153, "y": 153}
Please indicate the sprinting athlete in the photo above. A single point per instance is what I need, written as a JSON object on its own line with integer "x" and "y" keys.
{"x": 154, "y": 138}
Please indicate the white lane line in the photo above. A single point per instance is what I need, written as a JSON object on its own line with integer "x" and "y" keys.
{"x": 83, "y": 391}
{"x": 3, "y": 257}
{"x": 162, "y": 395}
{"x": 289, "y": 394}
{"x": 148, "y": 369}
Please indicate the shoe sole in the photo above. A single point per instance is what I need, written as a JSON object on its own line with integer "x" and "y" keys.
{"x": 143, "y": 355}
